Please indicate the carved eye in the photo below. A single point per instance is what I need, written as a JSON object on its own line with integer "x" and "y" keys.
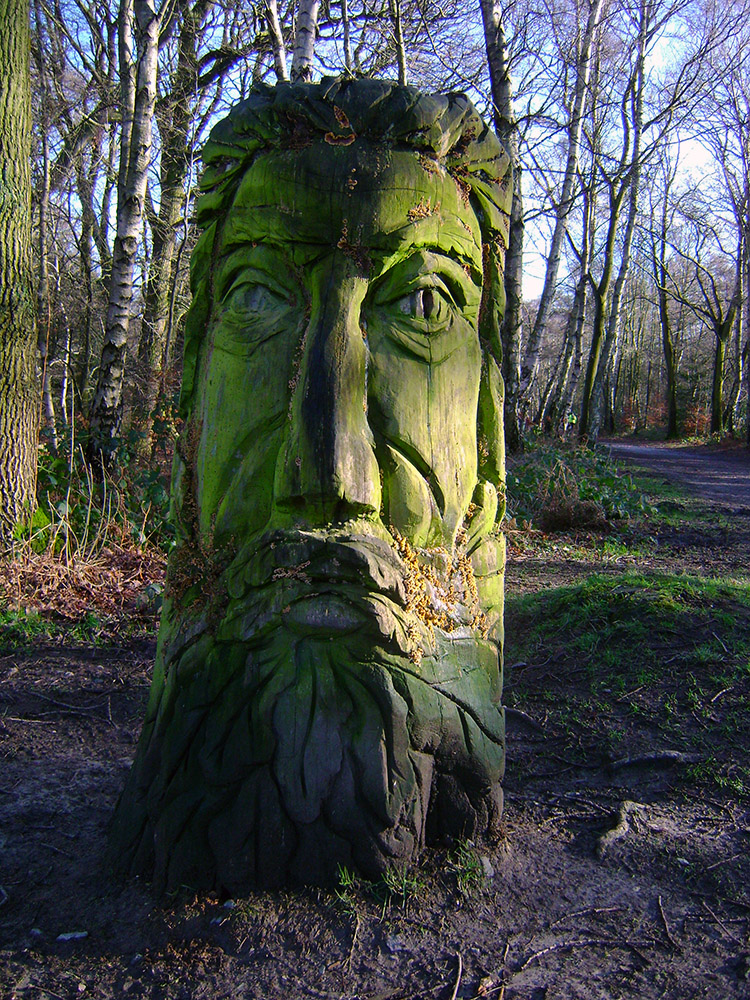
{"x": 420, "y": 304}
{"x": 251, "y": 298}
{"x": 425, "y": 304}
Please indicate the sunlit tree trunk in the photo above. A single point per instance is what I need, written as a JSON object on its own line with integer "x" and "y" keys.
{"x": 138, "y": 55}
{"x": 661, "y": 279}
{"x": 610, "y": 350}
{"x": 348, "y": 61}
{"x": 44, "y": 303}
{"x": 175, "y": 115}
{"x": 722, "y": 331}
{"x": 277, "y": 39}
{"x": 394, "y": 8}
{"x": 565, "y": 201}
{"x": 18, "y": 375}
{"x": 506, "y": 127}
{"x": 304, "y": 40}
{"x": 557, "y": 410}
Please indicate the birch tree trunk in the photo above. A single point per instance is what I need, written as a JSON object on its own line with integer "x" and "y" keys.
{"x": 612, "y": 339}
{"x": 277, "y": 39}
{"x": 394, "y": 8}
{"x": 506, "y": 127}
{"x": 348, "y": 62}
{"x": 723, "y": 325}
{"x": 556, "y": 412}
{"x": 18, "y": 375}
{"x": 175, "y": 115}
{"x": 304, "y": 41}
{"x": 565, "y": 202}
{"x": 138, "y": 57}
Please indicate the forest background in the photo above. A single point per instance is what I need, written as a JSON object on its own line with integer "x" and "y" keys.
{"x": 628, "y": 124}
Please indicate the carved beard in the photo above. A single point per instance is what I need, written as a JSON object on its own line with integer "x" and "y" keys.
{"x": 318, "y": 724}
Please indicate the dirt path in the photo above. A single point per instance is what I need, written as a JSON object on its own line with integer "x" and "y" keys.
{"x": 722, "y": 476}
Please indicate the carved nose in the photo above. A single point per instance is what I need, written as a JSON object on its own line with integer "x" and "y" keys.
{"x": 327, "y": 469}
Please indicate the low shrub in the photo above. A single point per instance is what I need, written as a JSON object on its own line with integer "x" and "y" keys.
{"x": 556, "y": 487}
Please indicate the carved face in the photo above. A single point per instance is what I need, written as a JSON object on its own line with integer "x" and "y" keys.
{"x": 327, "y": 685}
{"x": 340, "y": 374}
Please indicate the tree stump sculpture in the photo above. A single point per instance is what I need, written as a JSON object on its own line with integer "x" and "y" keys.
{"x": 328, "y": 677}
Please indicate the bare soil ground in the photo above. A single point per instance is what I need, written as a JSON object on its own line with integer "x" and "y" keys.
{"x": 720, "y": 474}
{"x": 611, "y": 879}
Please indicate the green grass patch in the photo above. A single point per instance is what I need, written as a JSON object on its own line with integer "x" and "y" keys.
{"x": 19, "y": 629}
{"x": 633, "y": 626}
{"x": 618, "y": 665}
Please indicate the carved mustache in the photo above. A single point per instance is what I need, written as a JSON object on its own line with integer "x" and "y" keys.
{"x": 319, "y": 558}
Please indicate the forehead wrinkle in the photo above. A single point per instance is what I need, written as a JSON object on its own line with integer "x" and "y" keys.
{"x": 273, "y": 199}
{"x": 301, "y": 253}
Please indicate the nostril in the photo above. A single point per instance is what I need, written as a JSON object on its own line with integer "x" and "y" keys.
{"x": 345, "y": 510}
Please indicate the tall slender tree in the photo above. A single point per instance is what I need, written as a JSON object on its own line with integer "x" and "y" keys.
{"x": 18, "y": 375}
{"x": 138, "y": 37}
{"x": 506, "y": 126}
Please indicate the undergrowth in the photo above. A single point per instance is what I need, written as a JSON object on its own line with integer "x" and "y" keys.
{"x": 94, "y": 550}
{"x": 620, "y": 626}
{"x": 557, "y": 487}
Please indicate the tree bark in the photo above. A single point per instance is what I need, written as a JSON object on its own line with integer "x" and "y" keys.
{"x": 304, "y": 41}
{"x": 18, "y": 376}
{"x": 506, "y": 127}
{"x": 277, "y": 40}
{"x": 612, "y": 339}
{"x": 138, "y": 65}
{"x": 565, "y": 203}
{"x": 394, "y": 8}
{"x": 44, "y": 303}
{"x": 175, "y": 115}
{"x": 661, "y": 277}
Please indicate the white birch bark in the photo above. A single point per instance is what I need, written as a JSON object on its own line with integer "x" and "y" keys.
{"x": 506, "y": 127}
{"x": 347, "y": 36}
{"x": 394, "y": 7}
{"x": 304, "y": 41}
{"x": 138, "y": 53}
{"x": 277, "y": 41}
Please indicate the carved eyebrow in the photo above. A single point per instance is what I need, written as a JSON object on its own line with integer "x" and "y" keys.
{"x": 262, "y": 259}
{"x": 461, "y": 275}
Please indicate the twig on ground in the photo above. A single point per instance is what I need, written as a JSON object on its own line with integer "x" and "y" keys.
{"x": 720, "y": 693}
{"x": 657, "y": 757}
{"x": 459, "y": 973}
{"x": 570, "y": 945}
{"x": 41, "y": 722}
{"x": 352, "y": 946}
{"x": 575, "y": 763}
{"x": 724, "y": 861}
{"x": 516, "y": 713}
{"x": 593, "y": 910}
{"x": 667, "y": 931}
{"x": 57, "y": 850}
{"x": 43, "y": 989}
{"x": 629, "y": 694}
{"x": 720, "y": 922}
{"x": 720, "y": 643}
